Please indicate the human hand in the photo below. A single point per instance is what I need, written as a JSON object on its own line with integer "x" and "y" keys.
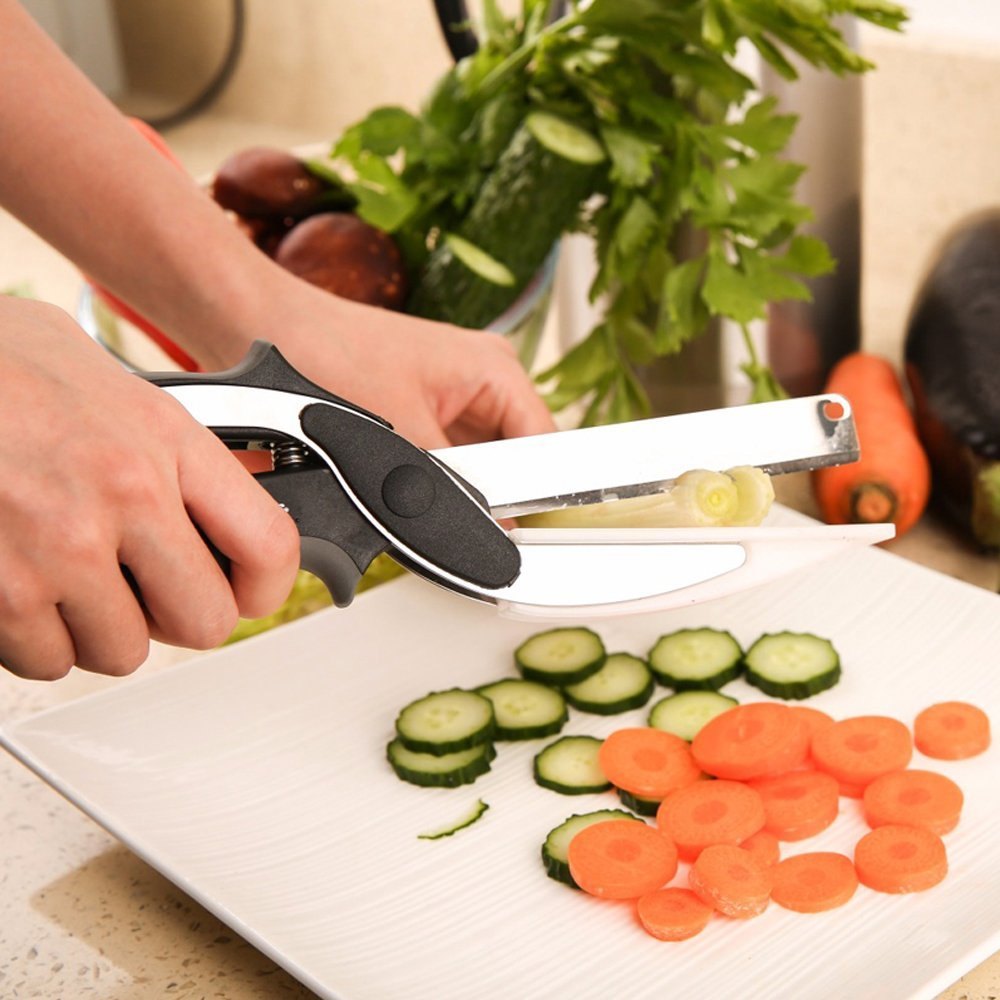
{"x": 99, "y": 470}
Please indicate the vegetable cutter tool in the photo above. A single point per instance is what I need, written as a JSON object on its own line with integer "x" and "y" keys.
{"x": 356, "y": 488}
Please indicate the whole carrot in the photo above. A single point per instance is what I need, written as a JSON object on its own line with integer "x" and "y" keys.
{"x": 891, "y": 481}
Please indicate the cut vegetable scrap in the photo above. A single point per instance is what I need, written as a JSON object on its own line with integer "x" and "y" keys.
{"x": 470, "y": 817}
{"x": 621, "y": 859}
{"x": 731, "y": 880}
{"x": 708, "y": 813}
{"x": 952, "y": 730}
{"x": 673, "y": 914}
{"x": 814, "y": 882}
{"x": 752, "y": 741}
{"x": 799, "y": 804}
{"x": 555, "y": 849}
{"x": 699, "y": 498}
{"x": 914, "y": 798}
{"x": 858, "y": 750}
{"x": 439, "y": 770}
{"x": 647, "y": 762}
{"x": 900, "y": 859}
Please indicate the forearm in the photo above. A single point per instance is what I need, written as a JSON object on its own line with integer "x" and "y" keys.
{"x": 74, "y": 171}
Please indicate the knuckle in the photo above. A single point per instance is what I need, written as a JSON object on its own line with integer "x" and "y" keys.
{"x": 212, "y": 628}
{"x": 22, "y": 597}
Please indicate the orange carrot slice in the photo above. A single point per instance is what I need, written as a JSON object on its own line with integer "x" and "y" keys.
{"x": 731, "y": 881}
{"x": 814, "y": 718}
{"x": 710, "y": 812}
{"x": 752, "y": 741}
{"x": 813, "y": 882}
{"x": 952, "y": 730}
{"x": 764, "y": 847}
{"x": 647, "y": 762}
{"x": 914, "y": 798}
{"x": 857, "y": 750}
{"x": 896, "y": 858}
{"x": 799, "y": 804}
{"x": 621, "y": 859}
{"x": 673, "y": 914}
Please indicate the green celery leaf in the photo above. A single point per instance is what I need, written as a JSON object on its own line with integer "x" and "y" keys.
{"x": 761, "y": 129}
{"x": 632, "y": 156}
{"x": 768, "y": 277}
{"x": 765, "y": 388}
{"x": 582, "y": 369}
{"x": 807, "y": 255}
{"x": 384, "y": 200}
{"x": 682, "y": 313}
{"x": 727, "y": 291}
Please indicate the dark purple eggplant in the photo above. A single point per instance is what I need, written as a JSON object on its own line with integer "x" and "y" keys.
{"x": 953, "y": 366}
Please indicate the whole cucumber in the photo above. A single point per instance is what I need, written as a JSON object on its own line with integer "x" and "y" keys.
{"x": 528, "y": 200}
{"x": 953, "y": 366}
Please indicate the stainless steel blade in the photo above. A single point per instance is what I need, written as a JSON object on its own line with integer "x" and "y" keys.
{"x": 569, "y": 468}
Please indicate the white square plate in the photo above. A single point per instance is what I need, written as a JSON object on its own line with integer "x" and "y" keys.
{"x": 255, "y": 779}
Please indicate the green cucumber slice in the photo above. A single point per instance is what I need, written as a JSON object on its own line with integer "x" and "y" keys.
{"x": 440, "y": 770}
{"x": 570, "y": 766}
{"x": 564, "y": 138}
{"x": 555, "y": 849}
{"x": 792, "y": 665}
{"x": 623, "y": 682}
{"x": 525, "y": 710}
{"x": 460, "y": 824}
{"x": 445, "y": 721}
{"x": 684, "y": 714}
{"x": 560, "y": 656}
{"x": 479, "y": 261}
{"x": 640, "y": 806}
{"x": 696, "y": 659}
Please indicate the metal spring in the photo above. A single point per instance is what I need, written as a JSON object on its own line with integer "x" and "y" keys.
{"x": 287, "y": 454}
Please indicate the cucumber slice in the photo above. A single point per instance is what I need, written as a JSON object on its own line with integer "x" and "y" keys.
{"x": 685, "y": 713}
{"x": 565, "y": 139}
{"x": 446, "y": 721}
{"x": 467, "y": 820}
{"x": 640, "y": 806}
{"x": 555, "y": 850}
{"x": 560, "y": 656}
{"x": 623, "y": 682}
{"x": 479, "y": 261}
{"x": 570, "y": 766}
{"x": 525, "y": 710}
{"x": 440, "y": 770}
{"x": 696, "y": 659}
{"x": 792, "y": 665}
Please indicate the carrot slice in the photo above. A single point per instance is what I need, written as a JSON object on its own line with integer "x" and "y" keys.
{"x": 952, "y": 730}
{"x": 764, "y": 847}
{"x": 647, "y": 762}
{"x": 798, "y": 804}
{"x": 813, "y": 882}
{"x": 814, "y": 718}
{"x": 621, "y": 859}
{"x": 731, "y": 881}
{"x": 850, "y": 791}
{"x": 857, "y": 750}
{"x": 914, "y": 798}
{"x": 710, "y": 812}
{"x": 752, "y": 741}
{"x": 896, "y": 858}
{"x": 673, "y": 914}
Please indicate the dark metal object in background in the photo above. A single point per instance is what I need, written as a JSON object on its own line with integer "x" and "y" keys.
{"x": 453, "y": 16}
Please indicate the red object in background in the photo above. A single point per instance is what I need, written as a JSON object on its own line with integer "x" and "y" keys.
{"x": 122, "y": 309}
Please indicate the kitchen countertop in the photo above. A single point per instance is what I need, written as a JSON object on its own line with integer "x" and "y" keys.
{"x": 80, "y": 915}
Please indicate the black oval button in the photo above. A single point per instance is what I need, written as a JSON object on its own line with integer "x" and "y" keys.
{"x": 408, "y": 491}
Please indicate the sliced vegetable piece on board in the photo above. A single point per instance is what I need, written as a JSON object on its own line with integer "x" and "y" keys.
{"x": 731, "y": 880}
{"x": 792, "y": 665}
{"x": 900, "y": 859}
{"x": 524, "y": 710}
{"x": 440, "y": 770}
{"x": 813, "y": 882}
{"x": 672, "y": 914}
{"x": 764, "y": 846}
{"x": 570, "y": 766}
{"x": 684, "y": 713}
{"x": 753, "y": 740}
{"x": 565, "y": 655}
{"x": 445, "y": 721}
{"x": 621, "y": 859}
{"x": 857, "y": 750}
{"x": 556, "y": 845}
{"x": 799, "y": 804}
{"x": 624, "y": 682}
{"x": 466, "y": 819}
{"x": 565, "y": 139}
{"x": 637, "y": 804}
{"x": 914, "y": 798}
{"x": 952, "y": 730}
{"x": 696, "y": 659}
{"x": 647, "y": 762}
{"x": 708, "y": 813}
